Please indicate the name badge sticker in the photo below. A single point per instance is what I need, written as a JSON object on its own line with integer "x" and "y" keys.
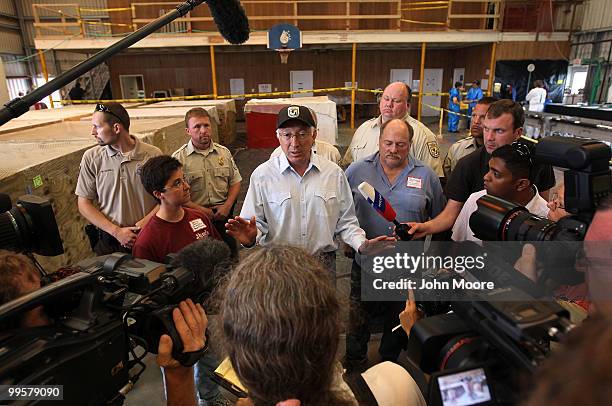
{"x": 197, "y": 225}
{"x": 414, "y": 182}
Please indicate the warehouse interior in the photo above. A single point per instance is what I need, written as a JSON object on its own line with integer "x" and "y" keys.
{"x": 338, "y": 58}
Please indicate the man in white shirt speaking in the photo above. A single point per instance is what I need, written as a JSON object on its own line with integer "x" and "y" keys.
{"x": 299, "y": 198}
{"x": 510, "y": 178}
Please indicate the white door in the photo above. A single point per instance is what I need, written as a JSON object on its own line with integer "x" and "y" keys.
{"x": 402, "y": 75}
{"x": 301, "y": 80}
{"x": 458, "y": 75}
{"x": 432, "y": 84}
{"x": 132, "y": 86}
{"x": 237, "y": 87}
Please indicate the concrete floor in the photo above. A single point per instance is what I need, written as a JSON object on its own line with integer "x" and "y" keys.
{"x": 149, "y": 389}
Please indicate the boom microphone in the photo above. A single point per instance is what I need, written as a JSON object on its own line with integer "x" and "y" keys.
{"x": 380, "y": 204}
{"x": 231, "y": 20}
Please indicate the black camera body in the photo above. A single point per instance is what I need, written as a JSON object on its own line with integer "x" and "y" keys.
{"x": 510, "y": 338}
{"x": 101, "y": 315}
{"x": 29, "y": 226}
{"x": 587, "y": 180}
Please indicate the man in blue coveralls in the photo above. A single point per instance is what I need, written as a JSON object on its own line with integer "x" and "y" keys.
{"x": 414, "y": 191}
{"x": 472, "y": 97}
{"x": 454, "y": 99}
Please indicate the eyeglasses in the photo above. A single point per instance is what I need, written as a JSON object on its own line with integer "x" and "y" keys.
{"x": 302, "y": 135}
{"x": 523, "y": 150}
{"x": 101, "y": 107}
{"x": 176, "y": 184}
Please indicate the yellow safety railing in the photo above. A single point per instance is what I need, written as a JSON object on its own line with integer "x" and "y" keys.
{"x": 71, "y": 18}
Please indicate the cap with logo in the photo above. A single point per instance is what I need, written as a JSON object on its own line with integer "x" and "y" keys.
{"x": 300, "y": 113}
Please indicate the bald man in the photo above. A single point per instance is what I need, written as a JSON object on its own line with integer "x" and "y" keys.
{"x": 414, "y": 191}
{"x": 395, "y": 103}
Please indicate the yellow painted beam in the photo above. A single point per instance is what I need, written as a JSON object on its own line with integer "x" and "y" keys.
{"x": 421, "y": 79}
{"x": 353, "y": 86}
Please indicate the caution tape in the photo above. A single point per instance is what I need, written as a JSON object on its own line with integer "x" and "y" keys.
{"x": 414, "y": 94}
{"x": 206, "y": 96}
{"x": 443, "y": 109}
{"x": 109, "y": 24}
{"x": 146, "y": 100}
{"x": 238, "y": 96}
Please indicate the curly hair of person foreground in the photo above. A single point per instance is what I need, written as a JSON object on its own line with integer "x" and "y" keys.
{"x": 281, "y": 325}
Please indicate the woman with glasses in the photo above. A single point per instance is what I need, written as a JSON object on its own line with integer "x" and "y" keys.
{"x": 173, "y": 226}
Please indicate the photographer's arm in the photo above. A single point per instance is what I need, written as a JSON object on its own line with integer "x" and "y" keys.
{"x": 190, "y": 322}
{"x": 410, "y": 315}
{"x": 442, "y": 222}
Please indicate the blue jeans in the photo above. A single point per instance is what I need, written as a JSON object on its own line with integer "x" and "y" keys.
{"x": 206, "y": 388}
{"x": 453, "y": 119}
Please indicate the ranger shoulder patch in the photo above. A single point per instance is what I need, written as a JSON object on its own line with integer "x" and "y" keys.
{"x": 434, "y": 149}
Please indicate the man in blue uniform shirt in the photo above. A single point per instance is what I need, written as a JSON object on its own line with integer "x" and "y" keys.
{"x": 414, "y": 191}
{"x": 454, "y": 100}
{"x": 472, "y": 97}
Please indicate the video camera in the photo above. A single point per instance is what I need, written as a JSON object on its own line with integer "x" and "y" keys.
{"x": 490, "y": 339}
{"x": 587, "y": 180}
{"x": 29, "y": 226}
{"x": 101, "y": 314}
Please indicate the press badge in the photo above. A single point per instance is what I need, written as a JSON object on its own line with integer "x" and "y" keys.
{"x": 414, "y": 182}
{"x": 197, "y": 225}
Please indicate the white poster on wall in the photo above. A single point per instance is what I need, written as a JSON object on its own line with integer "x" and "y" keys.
{"x": 301, "y": 80}
{"x": 458, "y": 75}
{"x": 401, "y": 75}
{"x": 264, "y": 87}
{"x": 237, "y": 87}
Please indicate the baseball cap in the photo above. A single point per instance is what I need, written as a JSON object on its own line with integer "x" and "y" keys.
{"x": 300, "y": 113}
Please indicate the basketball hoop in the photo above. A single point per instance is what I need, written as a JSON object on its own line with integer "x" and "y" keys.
{"x": 284, "y": 55}
{"x": 284, "y": 38}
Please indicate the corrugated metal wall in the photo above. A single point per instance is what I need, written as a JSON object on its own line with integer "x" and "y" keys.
{"x": 7, "y": 7}
{"x": 10, "y": 41}
{"x": 14, "y": 66}
{"x": 597, "y": 15}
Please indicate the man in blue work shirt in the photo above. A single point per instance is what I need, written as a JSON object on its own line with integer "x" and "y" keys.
{"x": 414, "y": 191}
{"x": 454, "y": 99}
{"x": 473, "y": 95}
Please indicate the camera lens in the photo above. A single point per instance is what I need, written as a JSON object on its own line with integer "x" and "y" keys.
{"x": 524, "y": 226}
{"x": 499, "y": 220}
{"x": 12, "y": 236}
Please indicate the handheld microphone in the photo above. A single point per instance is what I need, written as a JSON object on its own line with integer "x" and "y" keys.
{"x": 382, "y": 206}
{"x": 231, "y": 20}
